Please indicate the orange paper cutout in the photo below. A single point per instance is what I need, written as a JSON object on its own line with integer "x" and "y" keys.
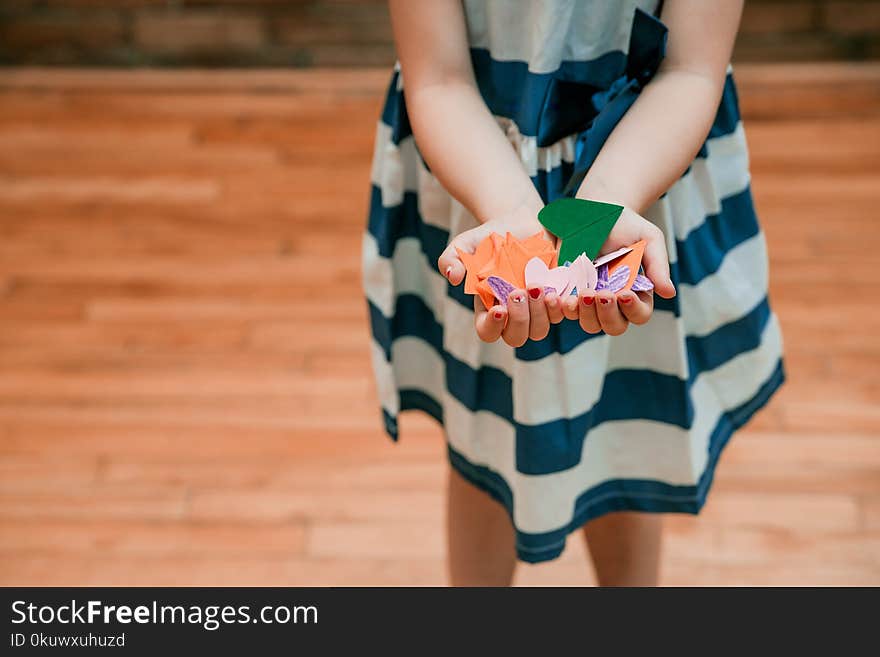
{"x": 486, "y": 294}
{"x": 633, "y": 260}
{"x": 506, "y": 257}
{"x": 473, "y": 262}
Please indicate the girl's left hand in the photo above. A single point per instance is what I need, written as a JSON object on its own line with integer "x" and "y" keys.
{"x": 613, "y": 313}
{"x": 609, "y": 312}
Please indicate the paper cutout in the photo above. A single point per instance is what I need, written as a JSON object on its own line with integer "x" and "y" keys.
{"x": 583, "y": 274}
{"x": 582, "y": 226}
{"x": 632, "y": 260}
{"x": 501, "y": 264}
{"x": 487, "y": 296}
{"x": 537, "y": 243}
{"x": 537, "y": 274}
{"x": 602, "y": 277}
{"x": 608, "y": 257}
{"x": 618, "y": 279}
{"x": 642, "y": 284}
{"x": 473, "y": 262}
{"x": 500, "y": 288}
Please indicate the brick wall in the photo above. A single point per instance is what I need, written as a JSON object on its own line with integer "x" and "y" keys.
{"x": 347, "y": 32}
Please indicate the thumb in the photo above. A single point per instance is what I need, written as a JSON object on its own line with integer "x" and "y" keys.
{"x": 449, "y": 263}
{"x": 656, "y": 263}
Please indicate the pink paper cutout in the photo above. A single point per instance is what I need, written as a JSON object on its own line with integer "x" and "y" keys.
{"x": 583, "y": 274}
{"x": 538, "y": 274}
{"x": 608, "y": 257}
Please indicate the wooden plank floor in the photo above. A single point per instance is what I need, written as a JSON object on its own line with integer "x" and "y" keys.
{"x": 185, "y": 387}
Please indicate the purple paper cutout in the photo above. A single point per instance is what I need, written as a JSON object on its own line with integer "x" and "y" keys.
{"x": 619, "y": 278}
{"x": 500, "y": 288}
{"x": 642, "y": 284}
{"x": 602, "y": 282}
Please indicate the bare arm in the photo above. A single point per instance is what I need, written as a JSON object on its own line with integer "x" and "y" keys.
{"x": 469, "y": 154}
{"x": 662, "y": 132}
{"x": 456, "y": 133}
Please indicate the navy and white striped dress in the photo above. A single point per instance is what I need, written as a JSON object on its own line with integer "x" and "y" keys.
{"x": 566, "y": 429}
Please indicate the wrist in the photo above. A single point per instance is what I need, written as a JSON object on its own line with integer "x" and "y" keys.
{"x": 524, "y": 211}
{"x": 595, "y": 188}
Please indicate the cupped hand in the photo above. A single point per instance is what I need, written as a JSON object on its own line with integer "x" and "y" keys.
{"x": 529, "y": 313}
{"x": 629, "y": 229}
{"x": 614, "y": 312}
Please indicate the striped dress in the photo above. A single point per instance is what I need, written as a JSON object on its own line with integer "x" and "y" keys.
{"x": 563, "y": 430}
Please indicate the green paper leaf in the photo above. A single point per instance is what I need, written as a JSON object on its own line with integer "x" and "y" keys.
{"x": 582, "y": 226}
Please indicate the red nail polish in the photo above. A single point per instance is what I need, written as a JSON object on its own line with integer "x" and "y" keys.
{"x": 588, "y": 301}
{"x": 603, "y": 301}
{"x": 625, "y": 299}
{"x": 499, "y": 315}
{"x": 534, "y": 292}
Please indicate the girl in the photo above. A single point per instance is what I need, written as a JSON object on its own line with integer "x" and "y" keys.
{"x": 584, "y": 413}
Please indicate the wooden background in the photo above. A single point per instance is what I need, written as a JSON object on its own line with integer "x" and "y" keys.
{"x": 349, "y": 32}
{"x": 185, "y": 388}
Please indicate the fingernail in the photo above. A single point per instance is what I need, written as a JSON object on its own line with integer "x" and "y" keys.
{"x": 534, "y": 292}
{"x": 499, "y": 315}
{"x": 626, "y": 299}
{"x": 448, "y": 271}
{"x": 603, "y": 301}
{"x": 517, "y": 298}
{"x": 588, "y": 301}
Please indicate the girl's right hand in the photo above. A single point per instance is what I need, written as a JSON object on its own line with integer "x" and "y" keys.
{"x": 529, "y": 313}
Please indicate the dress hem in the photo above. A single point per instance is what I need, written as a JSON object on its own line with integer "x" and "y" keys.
{"x": 610, "y": 496}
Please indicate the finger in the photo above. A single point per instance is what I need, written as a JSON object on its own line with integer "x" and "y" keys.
{"x": 570, "y": 306}
{"x": 450, "y": 265}
{"x": 554, "y": 308}
{"x": 490, "y": 323}
{"x": 587, "y": 312}
{"x": 656, "y": 263}
{"x": 539, "y": 322}
{"x": 612, "y": 320}
{"x": 636, "y": 308}
{"x": 517, "y": 330}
